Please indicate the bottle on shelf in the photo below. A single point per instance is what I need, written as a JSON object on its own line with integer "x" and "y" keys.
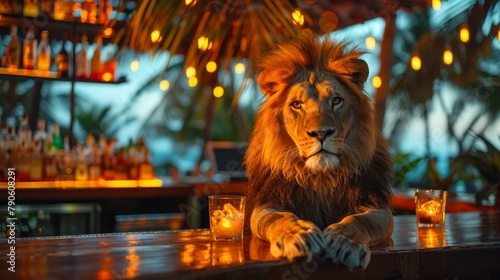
{"x": 13, "y": 52}
{"x": 30, "y": 8}
{"x": 29, "y": 50}
{"x": 49, "y": 158}
{"x": 105, "y": 9}
{"x": 81, "y": 169}
{"x": 46, "y": 8}
{"x": 95, "y": 63}
{"x": 82, "y": 63}
{"x": 62, "y": 60}
{"x": 66, "y": 162}
{"x": 44, "y": 52}
{"x": 145, "y": 168}
{"x": 58, "y": 140}
{"x": 89, "y": 11}
{"x": 40, "y": 132}
{"x": 10, "y": 7}
{"x": 63, "y": 10}
{"x": 35, "y": 161}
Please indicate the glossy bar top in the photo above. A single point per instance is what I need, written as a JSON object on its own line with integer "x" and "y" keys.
{"x": 469, "y": 245}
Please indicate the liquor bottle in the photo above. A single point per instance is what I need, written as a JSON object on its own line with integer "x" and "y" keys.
{"x": 63, "y": 10}
{"x": 89, "y": 11}
{"x": 94, "y": 164}
{"x": 66, "y": 165}
{"x": 58, "y": 141}
{"x": 62, "y": 60}
{"x": 95, "y": 63}
{"x": 121, "y": 172}
{"x": 145, "y": 168}
{"x": 30, "y": 8}
{"x": 49, "y": 158}
{"x": 13, "y": 51}
{"x": 40, "y": 131}
{"x": 82, "y": 63}
{"x": 25, "y": 134}
{"x": 81, "y": 169}
{"x": 105, "y": 10}
{"x": 44, "y": 52}
{"x": 35, "y": 166}
{"x": 107, "y": 163}
{"x": 46, "y": 8}
{"x": 29, "y": 50}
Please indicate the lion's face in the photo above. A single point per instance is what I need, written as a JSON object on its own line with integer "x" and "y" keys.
{"x": 316, "y": 117}
{"x": 316, "y": 123}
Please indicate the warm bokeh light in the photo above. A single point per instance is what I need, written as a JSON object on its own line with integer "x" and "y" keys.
{"x": 190, "y": 2}
{"x": 190, "y": 72}
{"x": 134, "y": 66}
{"x": 204, "y": 43}
{"x": 164, "y": 85}
{"x": 436, "y": 5}
{"x": 298, "y": 17}
{"x": 193, "y": 81}
{"x": 464, "y": 33}
{"x": 155, "y": 36}
{"x": 370, "y": 42}
{"x": 108, "y": 32}
{"x": 239, "y": 68}
{"x": 377, "y": 82}
{"x": 218, "y": 91}
{"x": 447, "y": 57}
{"x": 498, "y": 36}
{"x": 211, "y": 66}
{"x": 107, "y": 77}
{"x": 416, "y": 63}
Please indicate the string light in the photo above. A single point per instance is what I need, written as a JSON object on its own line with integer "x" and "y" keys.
{"x": 134, "y": 66}
{"x": 107, "y": 77}
{"x": 164, "y": 85}
{"x": 376, "y": 81}
{"x": 211, "y": 66}
{"x": 370, "y": 42}
{"x": 464, "y": 33}
{"x": 416, "y": 63}
{"x": 218, "y": 91}
{"x": 190, "y": 2}
{"x": 298, "y": 17}
{"x": 204, "y": 44}
{"x": 436, "y": 5}
{"x": 193, "y": 81}
{"x": 239, "y": 68}
{"x": 190, "y": 72}
{"x": 155, "y": 36}
{"x": 108, "y": 32}
{"x": 447, "y": 56}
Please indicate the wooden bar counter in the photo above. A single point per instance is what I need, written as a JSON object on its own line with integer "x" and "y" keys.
{"x": 468, "y": 247}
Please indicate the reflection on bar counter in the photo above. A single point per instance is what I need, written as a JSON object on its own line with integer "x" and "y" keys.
{"x": 46, "y": 157}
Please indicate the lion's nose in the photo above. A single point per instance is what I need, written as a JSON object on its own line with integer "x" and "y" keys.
{"x": 321, "y": 134}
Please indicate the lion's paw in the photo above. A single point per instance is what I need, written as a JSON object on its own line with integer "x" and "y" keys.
{"x": 297, "y": 239}
{"x": 343, "y": 250}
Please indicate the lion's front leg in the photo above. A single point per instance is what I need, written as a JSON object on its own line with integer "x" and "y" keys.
{"x": 289, "y": 236}
{"x": 347, "y": 241}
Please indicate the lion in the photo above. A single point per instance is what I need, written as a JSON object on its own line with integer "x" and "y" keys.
{"x": 318, "y": 168}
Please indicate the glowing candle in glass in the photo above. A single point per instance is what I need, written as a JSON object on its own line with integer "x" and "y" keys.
{"x": 227, "y": 216}
{"x": 430, "y": 207}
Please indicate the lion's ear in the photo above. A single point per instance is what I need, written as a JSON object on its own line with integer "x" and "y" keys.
{"x": 273, "y": 81}
{"x": 352, "y": 68}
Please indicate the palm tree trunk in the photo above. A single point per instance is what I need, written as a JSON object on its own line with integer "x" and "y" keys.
{"x": 386, "y": 62}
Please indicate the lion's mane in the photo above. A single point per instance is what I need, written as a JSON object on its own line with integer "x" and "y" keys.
{"x": 275, "y": 171}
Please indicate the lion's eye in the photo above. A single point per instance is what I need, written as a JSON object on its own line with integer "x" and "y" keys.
{"x": 336, "y": 101}
{"x": 296, "y": 104}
